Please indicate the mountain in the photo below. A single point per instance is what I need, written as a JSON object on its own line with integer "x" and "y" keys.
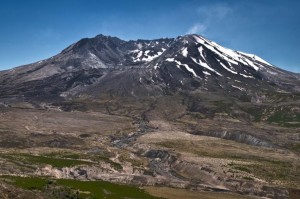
{"x": 107, "y": 64}
{"x": 168, "y": 113}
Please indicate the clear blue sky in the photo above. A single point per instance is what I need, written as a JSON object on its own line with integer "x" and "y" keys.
{"x": 33, "y": 30}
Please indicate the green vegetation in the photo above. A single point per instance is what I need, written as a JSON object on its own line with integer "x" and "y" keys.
{"x": 42, "y": 160}
{"x": 255, "y": 111}
{"x": 100, "y": 189}
{"x": 242, "y": 168}
{"x": 27, "y": 183}
{"x": 285, "y": 118}
{"x": 55, "y": 162}
{"x": 284, "y": 115}
{"x": 295, "y": 147}
{"x": 59, "y": 160}
{"x": 223, "y": 106}
{"x": 78, "y": 189}
{"x": 244, "y": 98}
{"x": 74, "y": 155}
{"x": 272, "y": 171}
{"x": 282, "y": 97}
{"x": 258, "y": 166}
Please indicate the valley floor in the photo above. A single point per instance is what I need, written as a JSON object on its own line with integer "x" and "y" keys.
{"x": 142, "y": 149}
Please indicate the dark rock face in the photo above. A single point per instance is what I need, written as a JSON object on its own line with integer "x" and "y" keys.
{"x": 104, "y": 64}
{"x": 158, "y": 154}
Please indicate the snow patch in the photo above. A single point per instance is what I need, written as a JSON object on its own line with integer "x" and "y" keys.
{"x": 184, "y": 52}
{"x": 170, "y": 59}
{"x": 246, "y": 76}
{"x": 206, "y": 73}
{"x": 200, "y": 49}
{"x": 234, "y": 57}
{"x": 150, "y": 58}
{"x": 240, "y": 88}
{"x": 144, "y": 56}
{"x": 187, "y": 68}
{"x": 203, "y": 64}
{"x": 227, "y": 68}
{"x": 250, "y": 63}
{"x": 199, "y": 40}
{"x": 255, "y": 57}
{"x": 271, "y": 72}
{"x": 139, "y": 54}
{"x": 139, "y": 45}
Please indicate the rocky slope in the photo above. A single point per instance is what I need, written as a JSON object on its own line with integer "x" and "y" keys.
{"x": 105, "y": 64}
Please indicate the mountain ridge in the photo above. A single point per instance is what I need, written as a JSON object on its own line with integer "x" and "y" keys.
{"x": 184, "y": 63}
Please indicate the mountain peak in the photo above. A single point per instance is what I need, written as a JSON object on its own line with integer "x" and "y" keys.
{"x": 189, "y": 62}
{"x": 106, "y": 37}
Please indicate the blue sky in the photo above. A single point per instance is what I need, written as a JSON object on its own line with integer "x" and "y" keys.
{"x": 33, "y": 30}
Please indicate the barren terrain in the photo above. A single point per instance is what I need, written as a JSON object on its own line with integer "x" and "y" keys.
{"x": 144, "y": 144}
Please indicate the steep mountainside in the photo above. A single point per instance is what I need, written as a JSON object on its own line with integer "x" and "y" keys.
{"x": 146, "y": 67}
